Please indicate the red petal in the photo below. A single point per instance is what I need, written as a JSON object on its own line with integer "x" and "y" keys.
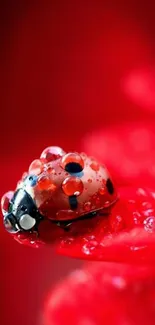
{"x": 127, "y": 151}
{"x": 109, "y": 294}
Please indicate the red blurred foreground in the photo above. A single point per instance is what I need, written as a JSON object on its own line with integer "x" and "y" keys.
{"x": 109, "y": 294}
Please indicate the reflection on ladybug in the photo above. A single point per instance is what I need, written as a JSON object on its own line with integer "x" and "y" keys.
{"x": 62, "y": 187}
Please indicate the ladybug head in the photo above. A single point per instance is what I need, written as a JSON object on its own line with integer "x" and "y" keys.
{"x": 19, "y": 211}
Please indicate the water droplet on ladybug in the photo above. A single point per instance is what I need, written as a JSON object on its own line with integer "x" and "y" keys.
{"x": 45, "y": 184}
{"x": 87, "y": 206}
{"x": 102, "y": 190}
{"x": 95, "y": 166}
{"x": 36, "y": 167}
{"x": 72, "y": 163}
{"x": 52, "y": 153}
{"x": 72, "y": 186}
{"x": 89, "y": 180}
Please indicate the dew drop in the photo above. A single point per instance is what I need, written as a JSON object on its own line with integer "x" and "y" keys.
{"x": 87, "y": 206}
{"x": 149, "y": 224}
{"x": 52, "y": 153}
{"x": 89, "y": 180}
{"x": 36, "y": 167}
{"x": 72, "y": 163}
{"x": 95, "y": 166}
{"x": 72, "y": 186}
{"x": 44, "y": 183}
{"x": 102, "y": 190}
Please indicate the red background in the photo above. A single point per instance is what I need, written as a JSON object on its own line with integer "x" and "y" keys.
{"x": 68, "y": 69}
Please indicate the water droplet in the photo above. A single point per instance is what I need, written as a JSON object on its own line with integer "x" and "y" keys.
{"x": 95, "y": 166}
{"x": 72, "y": 163}
{"x": 52, "y": 153}
{"x": 106, "y": 204}
{"x": 44, "y": 183}
{"x": 89, "y": 180}
{"x": 89, "y": 247}
{"x": 117, "y": 223}
{"x": 72, "y": 186}
{"x": 149, "y": 224}
{"x": 36, "y": 167}
{"x": 87, "y": 206}
{"x": 102, "y": 190}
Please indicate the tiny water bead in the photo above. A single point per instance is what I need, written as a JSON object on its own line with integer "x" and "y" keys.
{"x": 87, "y": 206}
{"x": 117, "y": 223}
{"x": 45, "y": 184}
{"x": 102, "y": 190}
{"x": 72, "y": 163}
{"x": 36, "y": 167}
{"x": 5, "y": 201}
{"x": 95, "y": 166}
{"x": 72, "y": 186}
{"x": 52, "y": 153}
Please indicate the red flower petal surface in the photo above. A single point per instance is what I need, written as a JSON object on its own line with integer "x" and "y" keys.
{"x": 105, "y": 293}
{"x": 126, "y": 235}
{"x": 127, "y": 150}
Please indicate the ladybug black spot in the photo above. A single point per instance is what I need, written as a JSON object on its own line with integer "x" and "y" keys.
{"x": 73, "y": 202}
{"x": 110, "y": 186}
{"x": 73, "y": 167}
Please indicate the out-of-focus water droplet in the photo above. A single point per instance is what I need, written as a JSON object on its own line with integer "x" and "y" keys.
{"x": 149, "y": 224}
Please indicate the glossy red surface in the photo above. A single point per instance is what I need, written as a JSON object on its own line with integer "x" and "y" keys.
{"x": 105, "y": 293}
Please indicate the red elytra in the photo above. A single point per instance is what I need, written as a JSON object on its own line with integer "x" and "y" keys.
{"x": 72, "y": 186}
{"x": 124, "y": 235}
{"x": 105, "y": 293}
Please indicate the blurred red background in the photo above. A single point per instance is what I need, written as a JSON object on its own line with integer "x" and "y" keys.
{"x": 73, "y": 74}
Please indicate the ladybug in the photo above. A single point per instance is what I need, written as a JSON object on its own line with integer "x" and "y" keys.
{"x": 61, "y": 187}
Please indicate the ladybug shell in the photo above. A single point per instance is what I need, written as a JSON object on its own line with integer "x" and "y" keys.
{"x": 64, "y": 195}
